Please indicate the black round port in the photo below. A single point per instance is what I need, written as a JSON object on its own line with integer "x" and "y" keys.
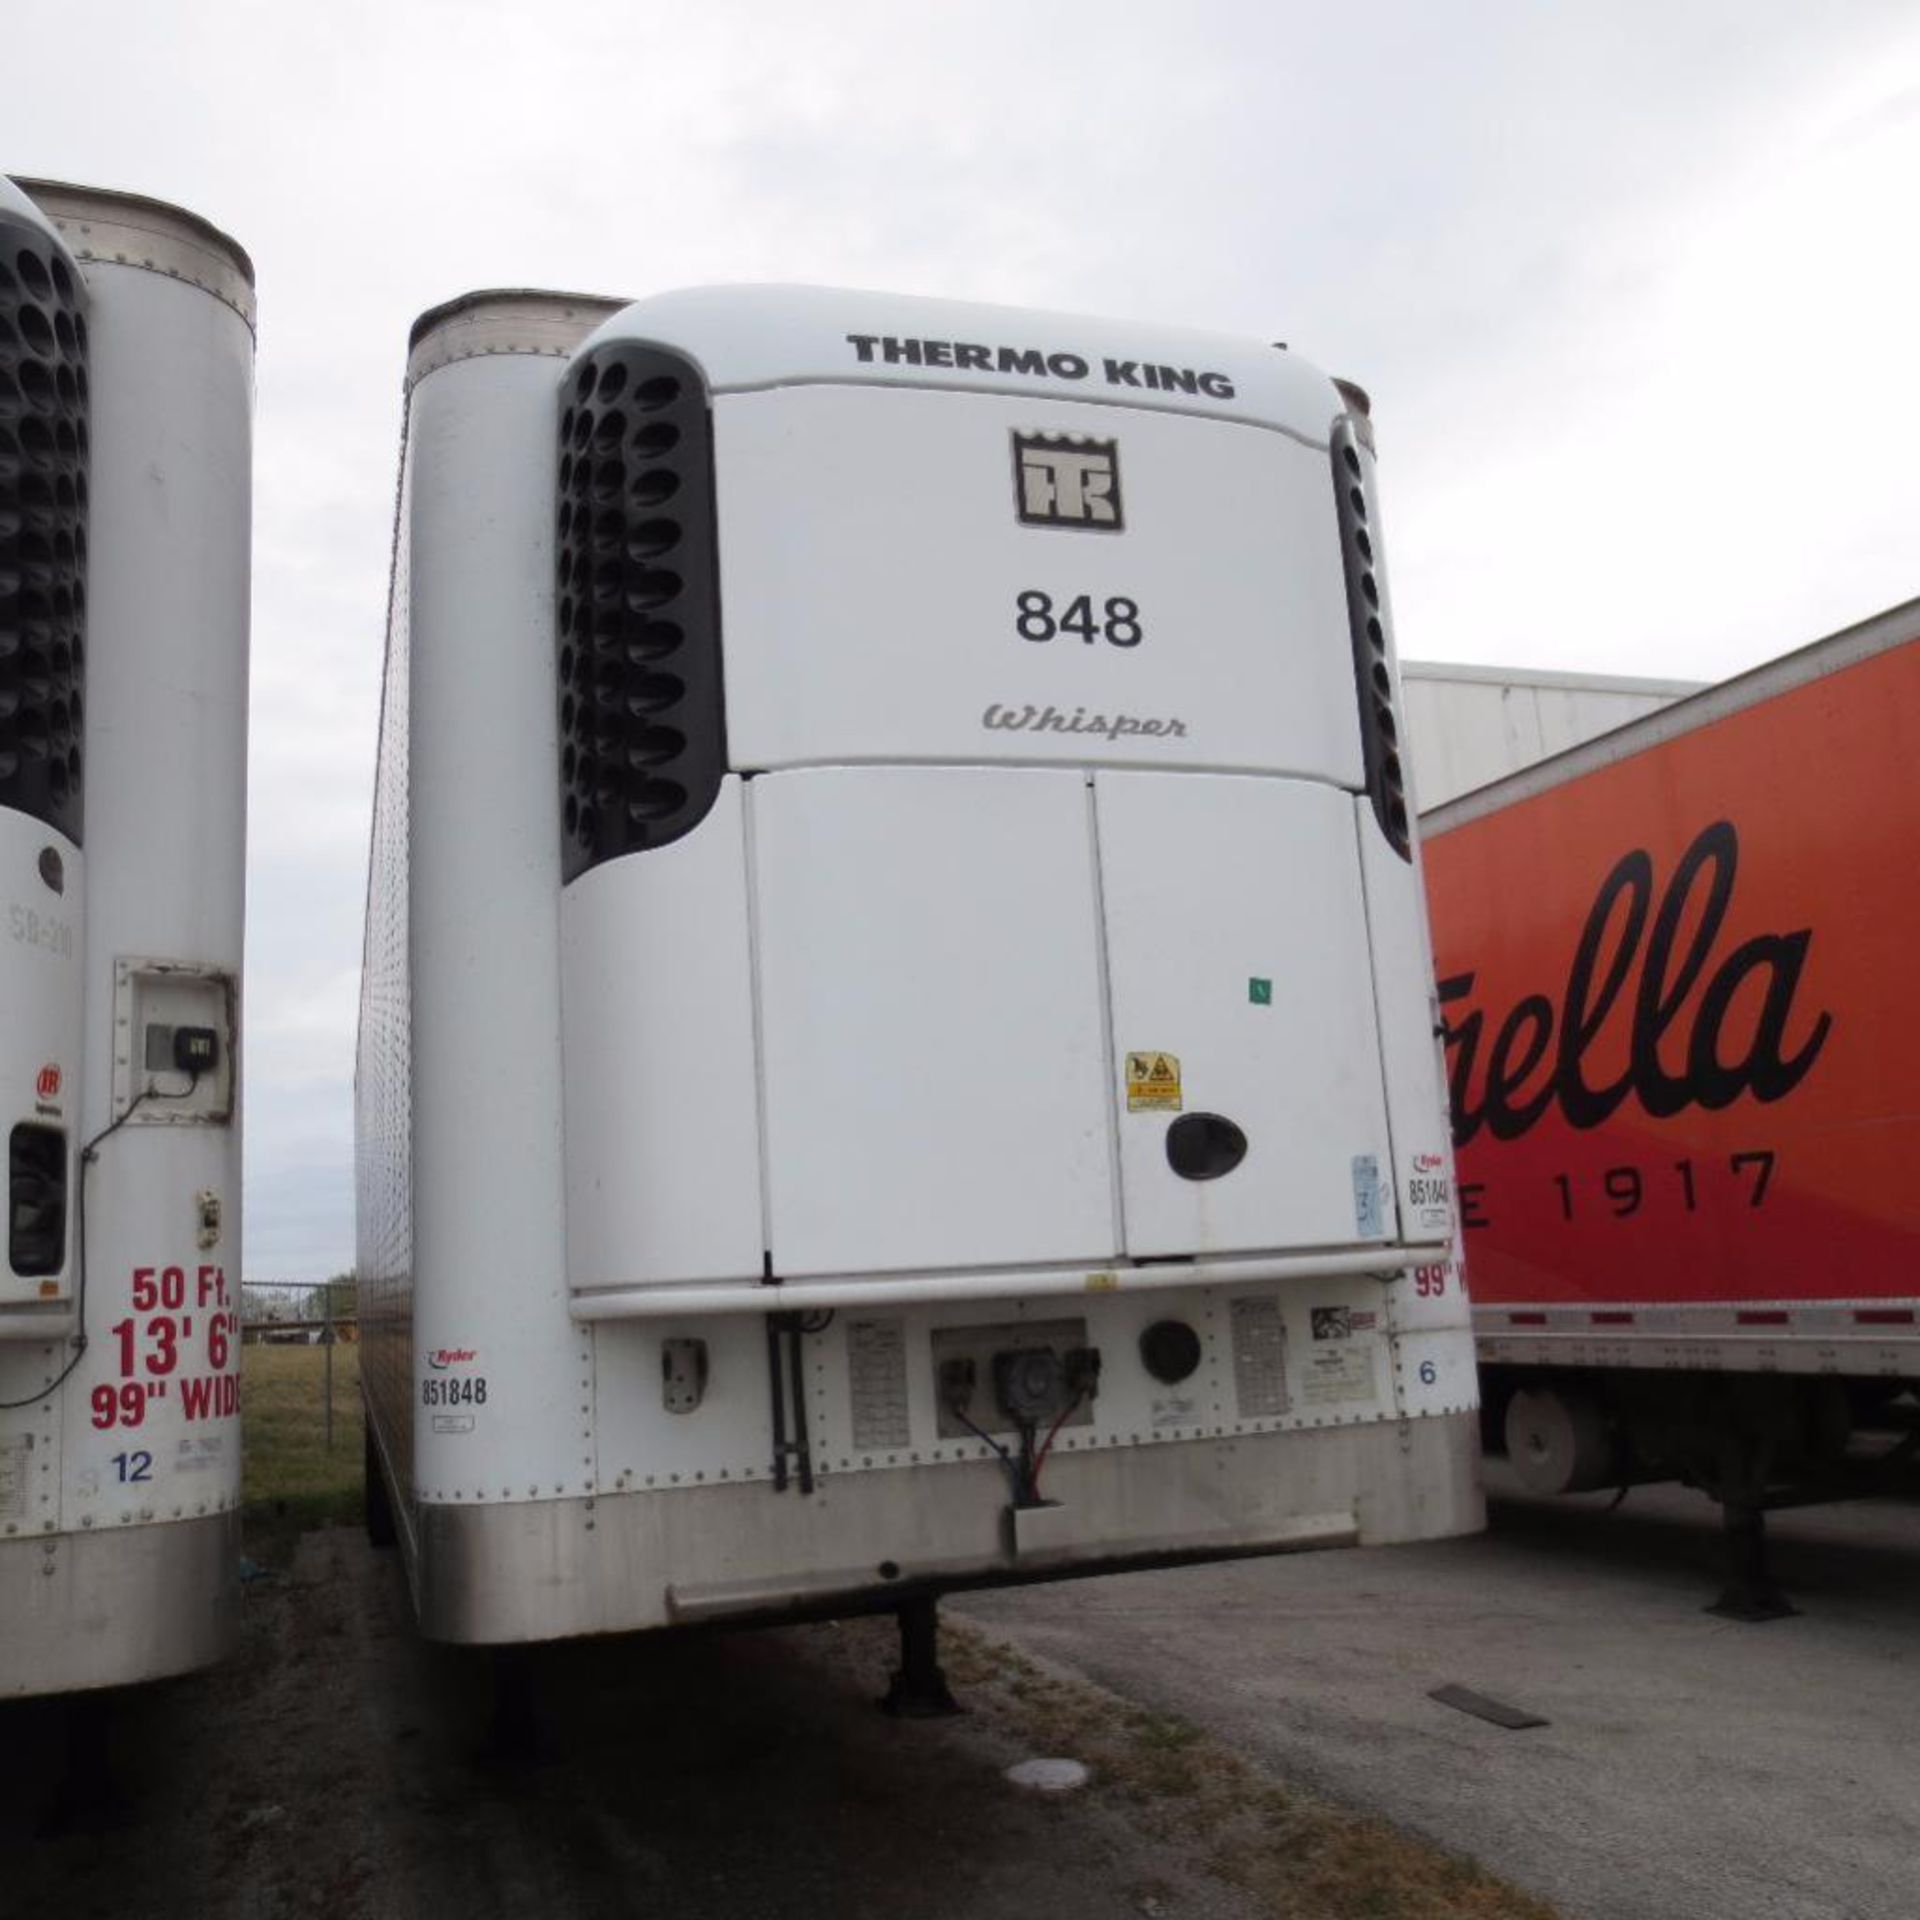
{"x": 1170, "y": 1350}
{"x": 1203, "y": 1146}
{"x": 889, "y": 1569}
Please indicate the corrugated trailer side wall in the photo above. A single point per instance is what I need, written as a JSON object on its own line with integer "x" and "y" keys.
{"x": 1468, "y": 726}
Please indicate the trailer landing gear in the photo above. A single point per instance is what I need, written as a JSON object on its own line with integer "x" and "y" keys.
{"x": 514, "y": 1739}
{"x": 1746, "y": 1461}
{"x": 1750, "y": 1593}
{"x": 918, "y": 1689}
{"x": 90, "y": 1794}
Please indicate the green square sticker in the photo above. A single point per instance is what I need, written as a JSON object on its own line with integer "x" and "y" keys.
{"x": 1260, "y": 991}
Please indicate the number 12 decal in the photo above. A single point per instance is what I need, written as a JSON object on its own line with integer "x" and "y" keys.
{"x": 134, "y": 1466}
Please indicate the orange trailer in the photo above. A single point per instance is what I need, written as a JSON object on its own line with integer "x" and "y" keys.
{"x": 1676, "y": 976}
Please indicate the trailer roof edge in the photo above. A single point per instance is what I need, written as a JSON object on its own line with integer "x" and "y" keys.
{"x": 1463, "y": 673}
{"x": 502, "y": 320}
{"x": 1833, "y": 654}
{"x": 106, "y": 226}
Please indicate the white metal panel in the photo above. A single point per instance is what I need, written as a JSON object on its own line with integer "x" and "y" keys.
{"x": 873, "y": 600}
{"x": 1434, "y": 1371}
{"x": 1466, "y": 726}
{"x": 169, "y": 579}
{"x": 934, "y": 1052}
{"x": 489, "y": 1277}
{"x": 639, "y": 1442}
{"x": 662, "y": 1105}
{"x": 1210, "y": 886}
{"x": 1409, "y": 1034}
{"x": 1316, "y": 1351}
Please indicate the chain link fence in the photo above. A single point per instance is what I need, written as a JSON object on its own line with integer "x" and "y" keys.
{"x": 319, "y": 1314}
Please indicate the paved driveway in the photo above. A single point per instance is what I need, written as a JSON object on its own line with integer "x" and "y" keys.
{"x": 1693, "y": 1767}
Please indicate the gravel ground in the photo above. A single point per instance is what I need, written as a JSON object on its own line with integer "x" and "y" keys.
{"x": 1693, "y": 1767}
{"x": 338, "y": 1766}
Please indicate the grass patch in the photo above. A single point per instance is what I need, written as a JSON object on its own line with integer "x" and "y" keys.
{"x": 291, "y": 1479}
{"x": 1297, "y": 1854}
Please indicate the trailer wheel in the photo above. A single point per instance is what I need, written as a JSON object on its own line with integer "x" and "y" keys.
{"x": 378, "y": 1501}
{"x": 1560, "y": 1440}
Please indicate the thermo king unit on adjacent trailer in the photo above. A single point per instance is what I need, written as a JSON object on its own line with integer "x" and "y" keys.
{"x": 126, "y": 399}
{"x": 897, "y": 1046}
{"x": 1677, "y": 968}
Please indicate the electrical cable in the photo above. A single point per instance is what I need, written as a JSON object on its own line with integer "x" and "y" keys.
{"x": 1005, "y": 1458}
{"x": 88, "y": 1154}
{"x": 1065, "y": 1414}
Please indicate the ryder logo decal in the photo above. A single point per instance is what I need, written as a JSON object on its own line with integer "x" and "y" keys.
{"x": 1701, "y": 1025}
{"x": 441, "y": 1358}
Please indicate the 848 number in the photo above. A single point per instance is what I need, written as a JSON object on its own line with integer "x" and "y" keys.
{"x": 1118, "y": 624}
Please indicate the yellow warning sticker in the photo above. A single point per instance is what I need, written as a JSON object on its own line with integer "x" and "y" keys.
{"x": 1153, "y": 1083}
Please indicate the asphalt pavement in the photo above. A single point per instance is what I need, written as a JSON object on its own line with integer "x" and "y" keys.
{"x": 1691, "y": 1767}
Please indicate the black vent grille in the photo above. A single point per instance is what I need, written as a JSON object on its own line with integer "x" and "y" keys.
{"x": 43, "y": 527}
{"x": 37, "y": 1200}
{"x": 1368, "y": 615}
{"x": 642, "y": 709}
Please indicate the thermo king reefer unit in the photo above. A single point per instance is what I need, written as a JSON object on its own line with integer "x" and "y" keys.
{"x": 898, "y": 1046}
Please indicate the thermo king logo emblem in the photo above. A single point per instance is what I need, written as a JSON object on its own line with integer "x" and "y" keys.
{"x": 1067, "y": 480}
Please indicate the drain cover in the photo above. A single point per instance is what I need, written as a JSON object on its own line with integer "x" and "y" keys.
{"x": 1049, "y": 1776}
{"x": 1482, "y": 1708}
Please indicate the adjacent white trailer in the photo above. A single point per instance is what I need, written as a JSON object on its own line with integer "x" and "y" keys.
{"x": 126, "y": 384}
{"x": 1469, "y": 726}
{"x": 897, "y": 1046}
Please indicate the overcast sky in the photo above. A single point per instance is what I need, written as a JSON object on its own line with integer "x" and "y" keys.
{"x": 1633, "y": 287}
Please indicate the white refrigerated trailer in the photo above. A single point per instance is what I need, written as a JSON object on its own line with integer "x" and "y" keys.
{"x": 897, "y": 1047}
{"x": 126, "y": 392}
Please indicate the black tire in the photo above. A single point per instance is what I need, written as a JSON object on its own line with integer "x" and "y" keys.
{"x": 381, "y": 1532}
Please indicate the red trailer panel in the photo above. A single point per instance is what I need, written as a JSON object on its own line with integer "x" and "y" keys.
{"x": 1679, "y": 998}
